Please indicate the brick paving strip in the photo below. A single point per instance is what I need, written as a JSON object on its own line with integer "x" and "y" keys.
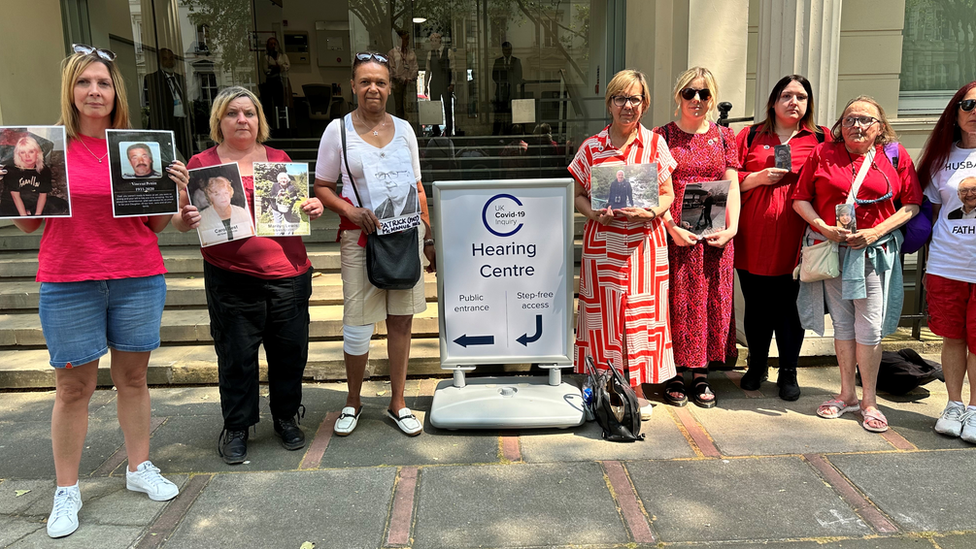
{"x": 401, "y": 516}
{"x": 630, "y": 508}
{"x": 313, "y": 457}
{"x": 698, "y": 439}
{"x": 509, "y": 448}
{"x": 736, "y": 377}
{"x": 851, "y": 495}
{"x": 167, "y": 521}
{"x": 117, "y": 457}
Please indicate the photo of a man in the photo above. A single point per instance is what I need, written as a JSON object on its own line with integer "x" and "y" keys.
{"x": 142, "y": 161}
{"x": 400, "y": 199}
{"x": 967, "y": 195}
{"x": 621, "y": 192}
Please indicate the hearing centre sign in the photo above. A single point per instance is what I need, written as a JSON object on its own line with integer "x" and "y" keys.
{"x": 505, "y": 262}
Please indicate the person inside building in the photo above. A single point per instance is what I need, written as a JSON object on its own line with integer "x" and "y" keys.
{"x": 947, "y": 173}
{"x": 506, "y": 73}
{"x": 113, "y": 286}
{"x": 768, "y": 241}
{"x": 865, "y": 301}
{"x": 623, "y": 312}
{"x": 164, "y": 94}
{"x": 276, "y": 84}
{"x": 439, "y": 79}
{"x": 702, "y": 325}
{"x": 258, "y": 289}
{"x": 375, "y": 145}
{"x": 404, "y": 66}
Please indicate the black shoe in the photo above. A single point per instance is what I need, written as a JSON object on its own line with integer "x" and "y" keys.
{"x": 788, "y": 388}
{"x": 753, "y": 378}
{"x": 232, "y": 446}
{"x": 291, "y": 435}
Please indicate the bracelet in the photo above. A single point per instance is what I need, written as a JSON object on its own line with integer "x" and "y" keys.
{"x": 653, "y": 214}
{"x": 429, "y": 242}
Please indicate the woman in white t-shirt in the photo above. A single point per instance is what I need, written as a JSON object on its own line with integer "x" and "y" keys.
{"x": 947, "y": 172}
{"x": 384, "y": 162}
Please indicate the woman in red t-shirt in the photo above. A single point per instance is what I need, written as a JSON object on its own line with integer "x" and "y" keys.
{"x": 257, "y": 288}
{"x": 768, "y": 240}
{"x": 865, "y": 300}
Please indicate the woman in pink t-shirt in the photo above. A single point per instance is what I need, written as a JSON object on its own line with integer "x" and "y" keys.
{"x": 102, "y": 288}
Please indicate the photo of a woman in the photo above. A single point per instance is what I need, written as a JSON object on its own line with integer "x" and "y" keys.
{"x": 28, "y": 183}
{"x": 222, "y": 221}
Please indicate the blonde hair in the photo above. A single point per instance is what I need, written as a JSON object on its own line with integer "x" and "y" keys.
{"x": 71, "y": 69}
{"x": 222, "y": 103}
{"x": 28, "y": 141}
{"x": 689, "y": 76}
{"x": 887, "y": 134}
{"x": 625, "y": 79}
{"x": 215, "y": 181}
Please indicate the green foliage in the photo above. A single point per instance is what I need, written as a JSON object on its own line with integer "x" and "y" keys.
{"x": 229, "y": 23}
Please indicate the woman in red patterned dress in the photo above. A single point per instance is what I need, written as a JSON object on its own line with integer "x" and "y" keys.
{"x": 701, "y": 267}
{"x": 623, "y": 295}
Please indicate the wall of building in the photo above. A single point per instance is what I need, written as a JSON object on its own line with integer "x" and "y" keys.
{"x": 30, "y": 75}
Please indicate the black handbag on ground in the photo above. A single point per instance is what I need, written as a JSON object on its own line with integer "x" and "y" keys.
{"x": 615, "y": 404}
{"x": 387, "y": 266}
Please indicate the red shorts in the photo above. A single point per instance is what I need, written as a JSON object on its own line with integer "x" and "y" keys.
{"x": 952, "y": 308}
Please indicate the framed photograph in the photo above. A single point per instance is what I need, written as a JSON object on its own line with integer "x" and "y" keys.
{"x": 621, "y": 186}
{"x": 784, "y": 157}
{"x": 33, "y": 173}
{"x": 280, "y": 189}
{"x": 140, "y": 184}
{"x": 703, "y": 207}
{"x": 218, "y": 192}
{"x": 846, "y": 218}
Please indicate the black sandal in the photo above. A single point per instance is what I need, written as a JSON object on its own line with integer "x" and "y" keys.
{"x": 675, "y": 385}
{"x": 700, "y": 389}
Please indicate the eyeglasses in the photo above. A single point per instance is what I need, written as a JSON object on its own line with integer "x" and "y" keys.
{"x": 366, "y": 56}
{"x": 85, "y": 49}
{"x": 886, "y": 196}
{"x": 851, "y": 121}
{"x": 967, "y": 104}
{"x": 689, "y": 93}
{"x": 967, "y": 192}
{"x": 634, "y": 100}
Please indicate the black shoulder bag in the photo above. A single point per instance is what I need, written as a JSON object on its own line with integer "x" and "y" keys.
{"x": 614, "y": 404}
{"x": 392, "y": 260}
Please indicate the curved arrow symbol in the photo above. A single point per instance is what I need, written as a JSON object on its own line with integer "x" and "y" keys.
{"x": 466, "y": 340}
{"x": 524, "y": 339}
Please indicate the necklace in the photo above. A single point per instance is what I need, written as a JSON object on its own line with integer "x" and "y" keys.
{"x": 91, "y": 153}
{"x": 374, "y": 130}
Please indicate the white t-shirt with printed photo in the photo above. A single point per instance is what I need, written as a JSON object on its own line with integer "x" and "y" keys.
{"x": 952, "y": 253}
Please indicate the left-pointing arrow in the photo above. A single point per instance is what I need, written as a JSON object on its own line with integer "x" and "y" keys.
{"x": 466, "y": 340}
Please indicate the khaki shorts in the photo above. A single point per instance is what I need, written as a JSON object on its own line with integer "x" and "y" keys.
{"x": 366, "y": 304}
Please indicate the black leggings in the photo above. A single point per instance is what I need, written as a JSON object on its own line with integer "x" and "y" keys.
{"x": 771, "y": 307}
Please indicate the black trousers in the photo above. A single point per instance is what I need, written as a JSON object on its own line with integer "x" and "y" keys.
{"x": 245, "y": 312}
{"x": 771, "y": 307}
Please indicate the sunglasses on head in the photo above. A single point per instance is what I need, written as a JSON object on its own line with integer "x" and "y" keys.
{"x": 689, "y": 93}
{"x": 967, "y": 104}
{"x": 85, "y": 49}
{"x": 366, "y": 56}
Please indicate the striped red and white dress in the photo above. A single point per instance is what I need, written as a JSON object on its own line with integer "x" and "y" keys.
{"x": 624, "y": 273}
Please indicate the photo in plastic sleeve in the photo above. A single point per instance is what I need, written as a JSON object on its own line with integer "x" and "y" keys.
{"x": 624, "y": 186}
{"x": 703, "y": 207}
{"x": 784, "y": 157}
{"x": 218, "y": 193}
{"x": 845, "y": 217}
{"x": 391, "y": 189}
{"x": 140, "y": 184}
{"x": 280, "y": 189}
{"x": 966, "y": 191}
{"x": 36, "y": 180}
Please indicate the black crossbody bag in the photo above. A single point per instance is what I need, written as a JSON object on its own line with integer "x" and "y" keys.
{"x": 387, "y": 266}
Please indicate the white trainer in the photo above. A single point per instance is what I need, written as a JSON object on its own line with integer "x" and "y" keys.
{"x": 950, "y": 424}
{"x": 64, "y": 515}
{"x": 969, "y": 426}
{"x": 146, "y": 479}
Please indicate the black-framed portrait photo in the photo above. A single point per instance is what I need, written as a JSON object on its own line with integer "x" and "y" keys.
{"x": 140, "y": 184}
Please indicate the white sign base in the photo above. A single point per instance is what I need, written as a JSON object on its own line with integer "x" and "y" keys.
{"x": 506, "y": 403}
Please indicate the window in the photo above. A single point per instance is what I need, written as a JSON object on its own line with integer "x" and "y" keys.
{"x": 938, "y": 54}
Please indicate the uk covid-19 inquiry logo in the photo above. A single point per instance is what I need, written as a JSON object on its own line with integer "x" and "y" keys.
{"x": 503, "y": 215}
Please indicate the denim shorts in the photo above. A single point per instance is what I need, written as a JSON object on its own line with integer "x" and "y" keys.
{"x": 81, "y": 320}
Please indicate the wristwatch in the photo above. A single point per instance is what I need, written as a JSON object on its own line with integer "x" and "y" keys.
{"x": 429, "y": 242}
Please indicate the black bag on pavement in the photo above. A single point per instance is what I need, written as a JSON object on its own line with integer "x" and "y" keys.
{"x": 387, "y": 266}
{"x": 615, "y": 404}
{"x": 905, "y": 370}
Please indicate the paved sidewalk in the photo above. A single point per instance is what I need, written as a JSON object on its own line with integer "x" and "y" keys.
{"x": 756, "y": 471}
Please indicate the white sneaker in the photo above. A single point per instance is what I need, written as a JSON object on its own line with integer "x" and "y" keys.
{"x": 645, "y": 409}
{"x": 969, "y": 426}
{"x": 147, "y": 480}
{"x": 64, "y": 515}
{"x": 347, "y": 421}
{"x": 950, "y": 424}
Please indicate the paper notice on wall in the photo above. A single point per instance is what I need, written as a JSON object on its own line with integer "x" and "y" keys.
{"x": 523, "y": 111}
{"x": 431, "y": 112}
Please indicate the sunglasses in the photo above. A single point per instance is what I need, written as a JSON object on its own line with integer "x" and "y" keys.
{"x": 85, "y": 49}
{"x": 689, "y": 93}
{"x": 967, "y": 104}
{"x": 363, "y": 57}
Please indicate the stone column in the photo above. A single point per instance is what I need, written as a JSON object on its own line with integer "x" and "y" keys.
{"x": 800, "y": 37}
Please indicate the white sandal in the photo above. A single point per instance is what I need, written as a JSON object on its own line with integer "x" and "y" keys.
{"x": 406, "y": 421}
{"x": 347, "y": 421}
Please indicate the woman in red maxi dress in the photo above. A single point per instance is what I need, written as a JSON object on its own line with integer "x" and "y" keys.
{"x": 623, "y": 295}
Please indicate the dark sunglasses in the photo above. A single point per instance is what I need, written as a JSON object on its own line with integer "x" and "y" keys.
{"x": 365, "y": 56}
{"x": 967, "y": 104}
{"x": 689, "y": 93}
{"x": 85, "y": 49}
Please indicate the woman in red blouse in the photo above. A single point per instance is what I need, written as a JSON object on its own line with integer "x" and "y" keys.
{"x": 768, "y": 240}
{"x": 865, "y": 300}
